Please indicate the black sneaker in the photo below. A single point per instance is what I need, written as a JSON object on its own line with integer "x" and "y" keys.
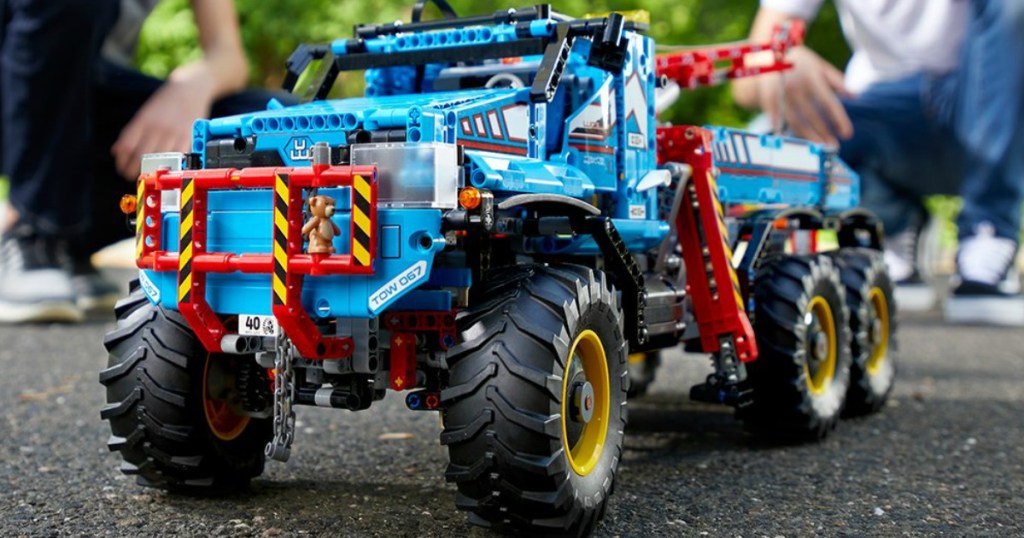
{"x": 986, "y": 288}
{"x": 35, "y": 284}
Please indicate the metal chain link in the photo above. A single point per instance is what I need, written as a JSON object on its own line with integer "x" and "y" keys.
{"x": 279, "y": 448}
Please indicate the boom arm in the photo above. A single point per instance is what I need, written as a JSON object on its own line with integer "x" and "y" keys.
{"x": 710, "y": 66}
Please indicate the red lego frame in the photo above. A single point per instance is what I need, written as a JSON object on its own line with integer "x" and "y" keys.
{"x": 287, "y": 265}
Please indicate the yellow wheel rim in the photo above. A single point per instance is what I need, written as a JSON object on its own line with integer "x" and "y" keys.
{"x": 878, "y": 330}
{"x": 820, "y": 366}
{"x": 585, "y": 422}
{"x": 224, "y": 422}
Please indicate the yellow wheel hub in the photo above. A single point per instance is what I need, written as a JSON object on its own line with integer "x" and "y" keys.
{"x": 586, "y": 395}
{"x": 878, "y": 330}
{"x": 224, "y": 422}
{"x": 820, "y": 366}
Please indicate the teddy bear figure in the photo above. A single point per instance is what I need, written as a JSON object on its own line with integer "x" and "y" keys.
{"x": 320, "y": 229}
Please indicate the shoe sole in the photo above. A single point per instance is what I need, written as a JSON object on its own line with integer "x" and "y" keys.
{"x": 985, "y": 310}
{"x": 103, "y": 302}
{"x": 40, "y": 312}
{"x": 915, "y": 298}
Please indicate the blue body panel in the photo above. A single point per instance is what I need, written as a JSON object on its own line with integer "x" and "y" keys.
{"x": 768, "y": 169}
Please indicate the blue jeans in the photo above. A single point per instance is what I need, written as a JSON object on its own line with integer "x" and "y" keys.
{"x": 960, "y": 133}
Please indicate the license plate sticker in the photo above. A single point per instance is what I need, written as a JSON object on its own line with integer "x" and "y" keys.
{"x": 251, "y": 325}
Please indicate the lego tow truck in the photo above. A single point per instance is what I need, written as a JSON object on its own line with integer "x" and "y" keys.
{"x": 501, "y": 231}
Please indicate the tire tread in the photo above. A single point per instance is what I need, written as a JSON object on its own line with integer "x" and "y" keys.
{"x": 152, "y": 406}
{"x": 502, "y": 481}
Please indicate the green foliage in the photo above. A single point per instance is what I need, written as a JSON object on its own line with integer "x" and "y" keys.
{"x": 272, "y": 30}
{"x": 944, "y": 209}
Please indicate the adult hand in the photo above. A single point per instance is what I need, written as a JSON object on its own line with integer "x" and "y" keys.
{"x": 807, "y": 98}
{"x": 164, "y": 123}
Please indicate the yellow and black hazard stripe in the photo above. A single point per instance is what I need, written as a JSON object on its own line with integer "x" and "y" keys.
{"x": 140, "y": 218}
{"x": 723, "y": 229}
{"x": 362, "y": 227}
{"x": 185, "y": 246}
{"x": 281, "y": 197}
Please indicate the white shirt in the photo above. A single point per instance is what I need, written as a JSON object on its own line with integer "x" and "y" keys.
{"x": 892, "y": 39}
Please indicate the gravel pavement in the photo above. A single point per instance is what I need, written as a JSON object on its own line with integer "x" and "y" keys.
{"x": 946, "y": 457}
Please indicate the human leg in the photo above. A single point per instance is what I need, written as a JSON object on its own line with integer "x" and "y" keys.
{"x": 48, "y": 50}
{"x": 988, "y": 120}
{"x": 902, "y": 148}
{"x": 46, "y": 80}
{"x": 902, "y": 154}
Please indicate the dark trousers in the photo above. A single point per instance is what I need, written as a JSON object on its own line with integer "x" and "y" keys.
{"x": 61, "y": 110}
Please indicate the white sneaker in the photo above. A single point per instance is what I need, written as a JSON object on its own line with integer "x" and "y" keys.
{"x": 913, "y": 293}
{"x": 986, "y": 288}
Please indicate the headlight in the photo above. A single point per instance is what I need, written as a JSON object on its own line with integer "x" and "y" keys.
{"x": 412, "y": 174}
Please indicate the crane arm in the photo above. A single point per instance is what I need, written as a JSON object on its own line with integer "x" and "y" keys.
{"x": 710, "y": 66}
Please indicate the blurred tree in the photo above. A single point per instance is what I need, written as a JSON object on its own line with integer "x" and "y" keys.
{"x": 271, "y": 30}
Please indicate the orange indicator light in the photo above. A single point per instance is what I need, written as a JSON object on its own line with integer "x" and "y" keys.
{"x": 469, "y": 198}
{"x": 128, "y": 204}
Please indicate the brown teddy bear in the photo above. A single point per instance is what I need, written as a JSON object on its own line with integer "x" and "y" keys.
{"x": 320, "y": 229}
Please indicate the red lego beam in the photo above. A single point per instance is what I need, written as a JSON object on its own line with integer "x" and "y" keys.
{"x": 710, "y": 66}
{"x": 403, "y": 361}
{"x": 710, "y": 278}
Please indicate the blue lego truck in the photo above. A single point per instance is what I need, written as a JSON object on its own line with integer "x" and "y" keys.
{"x": 501, "y": 230}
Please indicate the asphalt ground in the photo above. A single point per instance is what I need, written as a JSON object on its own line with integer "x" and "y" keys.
{"x": 945, "y": 457}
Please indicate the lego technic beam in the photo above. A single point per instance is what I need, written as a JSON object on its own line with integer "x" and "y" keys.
{"x": 509, "y": 34}
{"x": 508, "y": 16}
{"x": 710, "y": 66}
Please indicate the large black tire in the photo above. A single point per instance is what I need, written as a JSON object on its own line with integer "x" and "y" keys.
{"x": 801, "y": 375}
{"x": 643, "y": 368}
{"x": 517, "y": 463}
{"x": 870, "y": 298}
{"x": 156, "y": 404}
